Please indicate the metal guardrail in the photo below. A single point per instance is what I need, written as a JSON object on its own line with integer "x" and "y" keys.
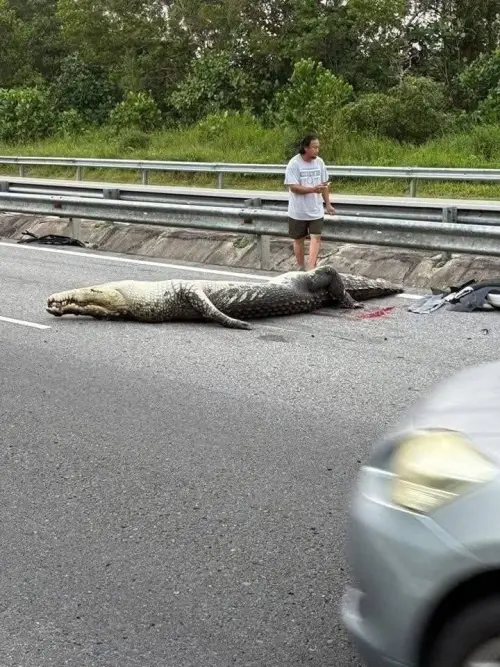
{"x": 412, "y": 174}
{"x": 466, "y": 211}
{"x": 262, "y": 223}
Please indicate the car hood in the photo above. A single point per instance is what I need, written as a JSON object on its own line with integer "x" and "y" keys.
{"x": 468, "y": 402}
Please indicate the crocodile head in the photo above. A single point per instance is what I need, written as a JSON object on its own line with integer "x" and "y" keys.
{"x": 100, "y": 302}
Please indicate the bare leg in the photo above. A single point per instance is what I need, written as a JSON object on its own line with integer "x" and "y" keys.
{"x": 298, "y": 249}
{"x": 314, "y": 247}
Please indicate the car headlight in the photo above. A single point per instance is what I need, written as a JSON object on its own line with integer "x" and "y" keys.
{"x": 434, "y": 467}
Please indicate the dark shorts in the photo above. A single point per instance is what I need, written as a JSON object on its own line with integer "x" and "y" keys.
{"x": 299, "y": 229}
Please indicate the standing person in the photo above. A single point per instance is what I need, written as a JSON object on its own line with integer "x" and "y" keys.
{"x": 307, "y": 178}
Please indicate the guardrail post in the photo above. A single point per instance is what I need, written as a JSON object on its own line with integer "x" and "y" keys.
{"x": 450, "y": 214}
{"x": 4, "y": 186}
{"x": 79, "y": 170}
{"x": 111, "y": 193}
{"x": 75, "y": 228}
{"x": 21, "y": 170}
{"x": 220, "y": 180}
{"x": 263, "y": 241}
{"x": 264, "y": 249}
{"x": 251, "y": 203}
{"x": 413, "y": 187}
{"x": 145, "y": 174}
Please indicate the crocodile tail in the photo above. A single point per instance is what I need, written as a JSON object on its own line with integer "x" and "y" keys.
{"x": 361, "y": 287}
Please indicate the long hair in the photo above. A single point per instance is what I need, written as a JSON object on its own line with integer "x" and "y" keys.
{"x": 304, "y": 143}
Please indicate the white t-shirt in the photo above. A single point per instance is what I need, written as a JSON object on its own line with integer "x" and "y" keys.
{"x": 300, "y": 172}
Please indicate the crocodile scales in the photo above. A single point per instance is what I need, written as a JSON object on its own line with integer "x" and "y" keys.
{"x": 225, "y": 302}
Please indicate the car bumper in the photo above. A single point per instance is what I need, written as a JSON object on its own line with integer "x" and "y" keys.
{"x": 401, "y": 563}
{"x": 369, "y": 651}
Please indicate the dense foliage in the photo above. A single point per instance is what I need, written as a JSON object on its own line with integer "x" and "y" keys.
{"x": 407, "y": 70}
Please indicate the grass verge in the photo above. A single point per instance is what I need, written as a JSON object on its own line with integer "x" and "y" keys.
{"x": 245, "y": 140}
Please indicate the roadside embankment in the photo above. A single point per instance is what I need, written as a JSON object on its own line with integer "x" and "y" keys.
{"x": 413, "y": 268}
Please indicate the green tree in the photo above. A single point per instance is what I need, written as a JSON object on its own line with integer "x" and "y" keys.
{"x": 449, "y": 35}
{"x": 25, "y": 114}
{"x": 137, "y": 111}
{"x": 312, "y": 98}
{"x": 478, "y": 79}
{"x": 86, "y": 88}
{"x": 378, "y": 38}
{"x": 42, "y": 35}
{"x": 414, "y": 110}
{"x": 420, "y": 109}
{"x": 373, "y": 113}
{"x": 135, "y": 41}
{"x": 14, "y": 58}
{"x": 214, "y": 83}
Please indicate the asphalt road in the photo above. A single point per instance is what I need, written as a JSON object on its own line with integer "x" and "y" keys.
{"x": 175, "y": 495}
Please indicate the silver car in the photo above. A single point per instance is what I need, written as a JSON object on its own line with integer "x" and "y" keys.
{"x": 424, "y": 533}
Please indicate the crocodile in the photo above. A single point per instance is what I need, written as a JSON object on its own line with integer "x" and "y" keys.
{"x": 227, "y": 303}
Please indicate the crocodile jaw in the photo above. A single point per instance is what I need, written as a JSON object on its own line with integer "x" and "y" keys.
{"x": 90, "y": 301}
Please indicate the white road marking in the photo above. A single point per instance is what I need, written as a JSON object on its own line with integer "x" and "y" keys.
{"x": 275, "y": 328}
{"x": 144, "y": 262}
{"x": 34, "y": 325}
{"x": 404, "y": 295}
{"x": 127, "y": 260}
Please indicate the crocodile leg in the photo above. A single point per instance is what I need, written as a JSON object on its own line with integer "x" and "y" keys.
{"x": 326, "y": 277}
{"x": 202, "y": 304}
